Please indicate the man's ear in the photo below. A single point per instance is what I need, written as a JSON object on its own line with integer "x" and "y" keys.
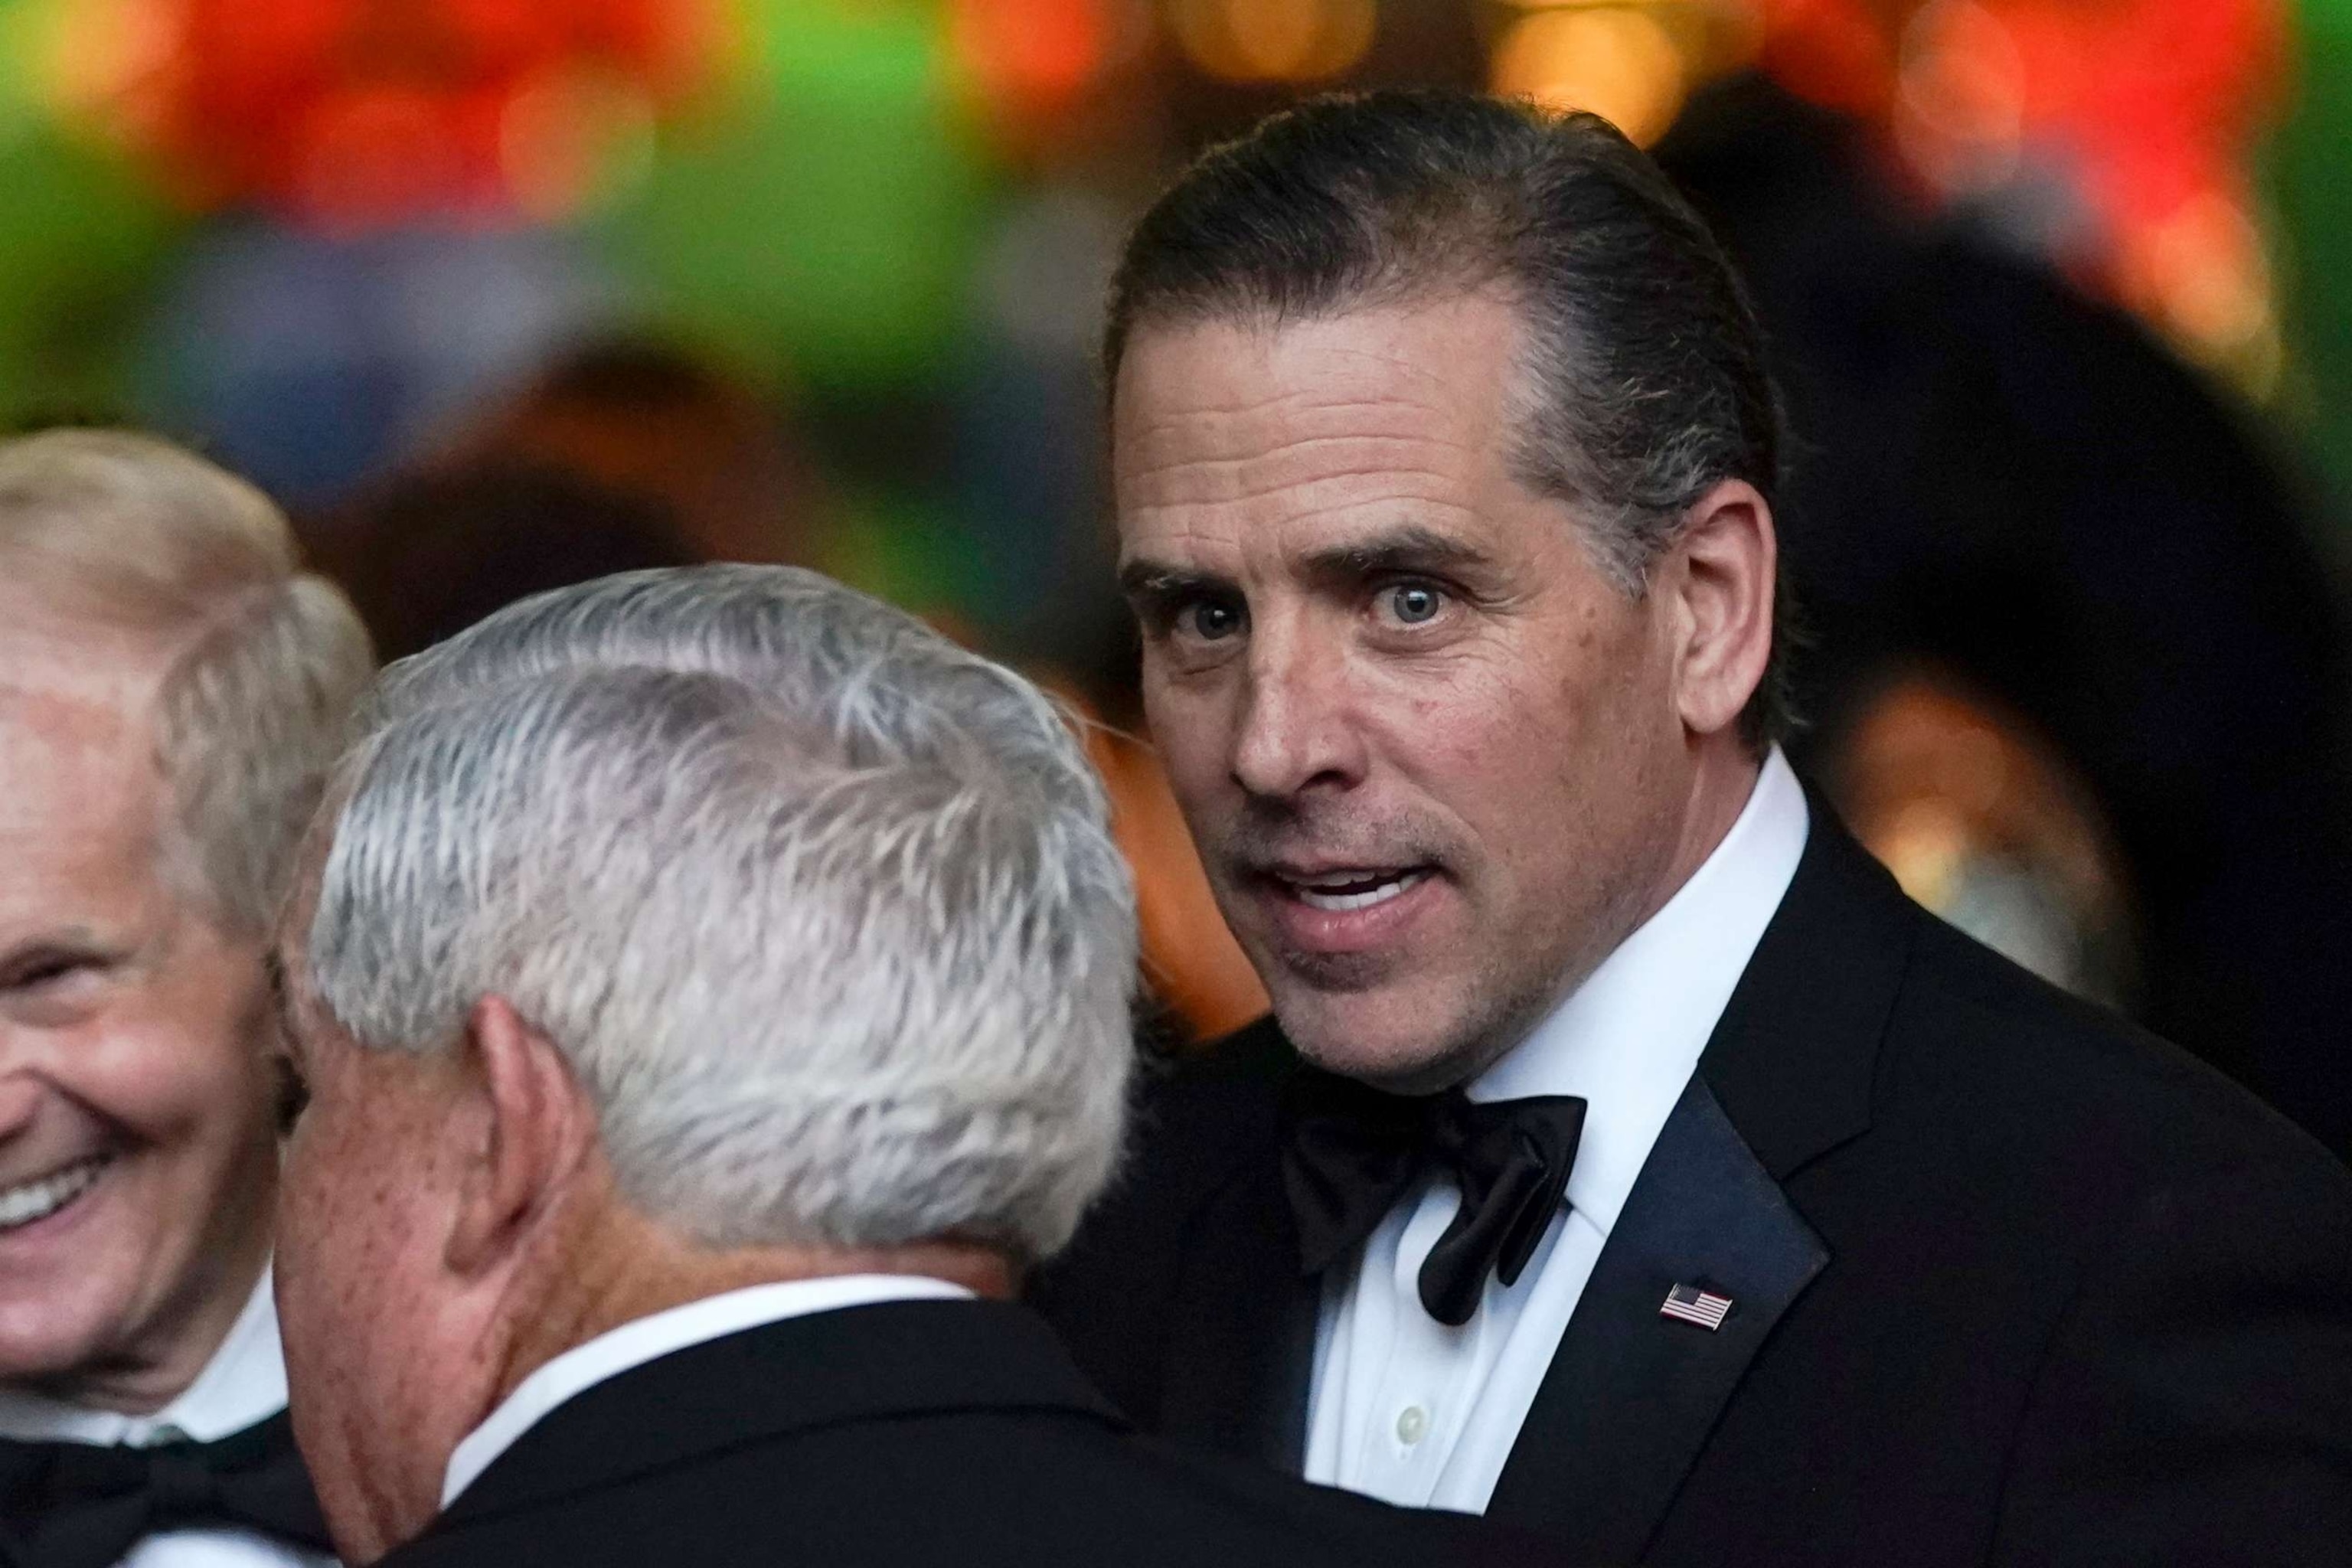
{"x": 1725, "y": 570}
{"x": 538, "y": 1128}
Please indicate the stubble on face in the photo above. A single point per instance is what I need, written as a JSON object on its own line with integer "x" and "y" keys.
{"x": 1428, "y": 748}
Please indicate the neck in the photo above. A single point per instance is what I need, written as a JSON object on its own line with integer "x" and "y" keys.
{"x": 641, "y": 1269}
{"x": 1721, "y": 783}
{"x": 1721, "y": 789}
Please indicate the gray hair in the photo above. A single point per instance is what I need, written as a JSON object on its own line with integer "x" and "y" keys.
{"x": 261, "y": 660}
{"x": 1645, "y": 381}
{"x": 824, "y": 909}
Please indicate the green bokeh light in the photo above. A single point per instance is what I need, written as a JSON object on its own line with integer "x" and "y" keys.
{"x": 82, "y": 242}
{"x": 828, "y": 222}
{"x": 2313, "y": 187}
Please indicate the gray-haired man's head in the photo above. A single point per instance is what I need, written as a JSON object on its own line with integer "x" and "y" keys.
{"x": 818, "y": 914}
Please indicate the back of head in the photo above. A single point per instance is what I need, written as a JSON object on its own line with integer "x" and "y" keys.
{"x": 1646, "y": 380}
{"x": 822, "y": 908}
{"x": 115, "y": 532}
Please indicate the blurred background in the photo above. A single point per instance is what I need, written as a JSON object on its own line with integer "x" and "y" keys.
{"x": 496, "y": 294}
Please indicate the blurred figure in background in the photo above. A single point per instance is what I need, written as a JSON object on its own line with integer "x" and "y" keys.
{"x": 173, "y": 689}
{"x": 2031, "y": 539}
{"x": 657, "y": 424}
{"x": 435, "y": 549}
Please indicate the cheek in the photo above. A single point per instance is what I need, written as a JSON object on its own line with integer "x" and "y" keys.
{"x": 183, "y": 1059}
{"x": 1479, "y": 740}
{"x": 355, "y": 1229}
{"x": 307, "y": 1226}
{"x": 1189, "y": 724}
{"x": 339, "y": 1275}
{"x": 178, "y": 1084}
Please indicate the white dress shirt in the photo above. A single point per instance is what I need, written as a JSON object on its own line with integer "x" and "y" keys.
{"x": 632, "y": 1344}
{"x": 242, "y": 1385}
{"x": 1403, "y": 1408}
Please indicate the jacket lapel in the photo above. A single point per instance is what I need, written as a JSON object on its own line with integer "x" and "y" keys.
{"x": 1631, "y": 1395}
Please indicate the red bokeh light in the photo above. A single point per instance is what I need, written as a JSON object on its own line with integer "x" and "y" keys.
{"x": 355, "y": 113}
{"x": 2150, "y": 106}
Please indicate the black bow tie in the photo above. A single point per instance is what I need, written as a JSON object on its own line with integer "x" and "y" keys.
{"x": 78, "y": 1505}
{"x": 1351, "y": 1153}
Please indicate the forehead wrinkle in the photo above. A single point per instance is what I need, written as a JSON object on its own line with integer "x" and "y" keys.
{"x": 1227, "y": 428}
{"x": 1344, "y": 499}
{"x": 1306, "y": 478}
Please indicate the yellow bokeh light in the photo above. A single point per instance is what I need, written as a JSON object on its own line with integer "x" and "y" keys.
{"x": 91, "y": 55}
{"x": 1274, "y": 40}
{"x": 1617, "y": 61}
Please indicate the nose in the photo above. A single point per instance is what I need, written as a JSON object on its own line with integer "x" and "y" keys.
{"x": 1295, "y": 734}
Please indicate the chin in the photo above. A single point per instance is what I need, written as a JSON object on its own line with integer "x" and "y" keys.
{"x": 1391, "y": 1037}
{"x": 52, "y": 1330}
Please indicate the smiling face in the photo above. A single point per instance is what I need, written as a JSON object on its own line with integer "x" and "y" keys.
{"x": 1436, "y": 761}
{"x": 138, "y": 1154}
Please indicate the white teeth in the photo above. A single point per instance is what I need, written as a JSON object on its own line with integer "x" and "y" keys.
{"x": 21, "y": 1205}
{"x": 1317, "y": 899}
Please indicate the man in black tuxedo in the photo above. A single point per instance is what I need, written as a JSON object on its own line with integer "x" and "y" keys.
{"x": 1626, "y": 1157}
{"x": 711, "y": 987}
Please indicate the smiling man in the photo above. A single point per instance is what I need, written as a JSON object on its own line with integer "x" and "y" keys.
{"x": 171, "y": 690}
{"x": 1625, "y": 1156}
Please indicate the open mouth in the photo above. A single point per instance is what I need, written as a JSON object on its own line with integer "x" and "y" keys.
{"x": 28, "y": 1202}
{"x": 1339, "y": 892}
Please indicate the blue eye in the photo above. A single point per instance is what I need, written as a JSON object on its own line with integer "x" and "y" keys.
{"x": 1213, "y": 621}
{"x": 1413, "y": 602}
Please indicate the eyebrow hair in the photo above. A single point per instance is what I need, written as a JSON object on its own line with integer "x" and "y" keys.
{"x": 1404, "y": 549}
{"x": 1149, "y": 580}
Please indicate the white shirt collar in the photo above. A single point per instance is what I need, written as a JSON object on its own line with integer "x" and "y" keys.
{"x": 1628, "y": 1039}
{"x": 632, "y": 1344}
{"x": 242, "y": 1384}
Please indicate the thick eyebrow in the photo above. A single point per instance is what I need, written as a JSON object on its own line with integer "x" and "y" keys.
{"x": 1148, "y": 582}
{"x": 1406, "y": 550}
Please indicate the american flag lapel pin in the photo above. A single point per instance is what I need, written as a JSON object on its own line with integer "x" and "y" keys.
{"x": 1693, "y": 1305}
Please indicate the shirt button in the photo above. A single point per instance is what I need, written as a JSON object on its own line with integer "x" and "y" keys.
{"x": 1411, "y": 1422}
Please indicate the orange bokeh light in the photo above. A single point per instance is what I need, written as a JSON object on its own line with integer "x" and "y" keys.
{"x": 1040, "y": 51}
{"x": 1274, "y": 40}
{"x": 1618, "y": 62}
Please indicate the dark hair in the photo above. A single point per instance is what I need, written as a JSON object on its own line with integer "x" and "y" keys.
{"x": 1648, "y": 369}
{"x": 432, "y": 552}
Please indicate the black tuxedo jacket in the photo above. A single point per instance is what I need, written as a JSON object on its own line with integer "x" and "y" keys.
{"x": 916, "y": 1435}
{"x": 2012, "y": 1283}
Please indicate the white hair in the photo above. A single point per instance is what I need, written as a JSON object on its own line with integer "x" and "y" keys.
{"x": 822, "y": 909}
{"x": 261, "y": 661}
